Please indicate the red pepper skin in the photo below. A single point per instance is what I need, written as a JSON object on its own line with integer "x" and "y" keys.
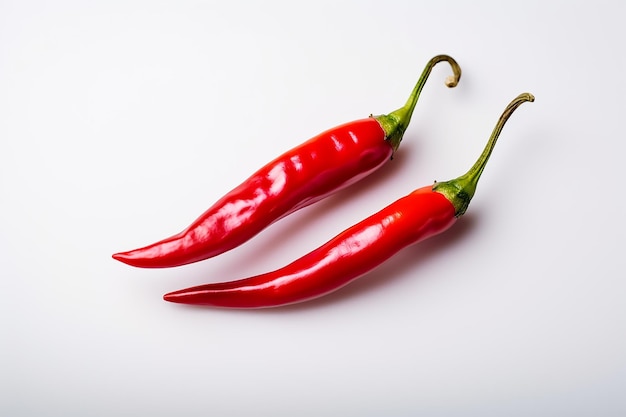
{"x": 351, "y": 254}
{"x": 301, "y": 176}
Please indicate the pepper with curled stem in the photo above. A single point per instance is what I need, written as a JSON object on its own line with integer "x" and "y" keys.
{"x": 319, "y": 167}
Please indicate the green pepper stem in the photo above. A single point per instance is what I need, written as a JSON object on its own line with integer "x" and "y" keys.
{"x": 395, "y": 123}
{"x": 461, "y": 190}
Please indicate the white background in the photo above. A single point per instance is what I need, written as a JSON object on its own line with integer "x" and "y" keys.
{"x": 122, "y": 121}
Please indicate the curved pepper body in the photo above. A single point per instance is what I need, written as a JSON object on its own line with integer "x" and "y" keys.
{"x": 301, "y": 176}
{"x": 349, "y": 255}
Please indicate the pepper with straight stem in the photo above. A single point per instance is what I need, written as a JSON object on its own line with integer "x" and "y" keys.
{"x": 425, "y": 212}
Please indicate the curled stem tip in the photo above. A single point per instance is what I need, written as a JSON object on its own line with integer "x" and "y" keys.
{"x": 395, "y": 123}
{"x": 452, "y": 80}
{"x": 461, "y": 190}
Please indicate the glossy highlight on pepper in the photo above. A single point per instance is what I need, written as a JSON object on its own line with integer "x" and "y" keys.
{"x": 301, "y": 176}
{"x": 425, "y": 212}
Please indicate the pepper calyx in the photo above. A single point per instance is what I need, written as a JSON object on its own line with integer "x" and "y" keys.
{"x": 456, "y": 193}
{"x": 394, "y": 126}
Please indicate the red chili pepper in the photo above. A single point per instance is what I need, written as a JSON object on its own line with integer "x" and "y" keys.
{"x": 302, "y": 176}
{"x": 424, "y": 212}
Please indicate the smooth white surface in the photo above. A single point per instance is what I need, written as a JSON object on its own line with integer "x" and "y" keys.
{"x": 122, "y": 121}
